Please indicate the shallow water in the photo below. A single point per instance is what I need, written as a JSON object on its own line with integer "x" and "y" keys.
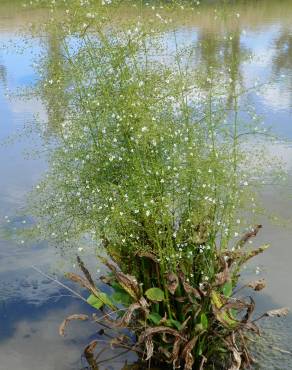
{"x": 31, "y": 306}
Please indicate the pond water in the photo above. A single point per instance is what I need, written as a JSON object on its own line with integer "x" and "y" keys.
{"x": 31, "y": 306}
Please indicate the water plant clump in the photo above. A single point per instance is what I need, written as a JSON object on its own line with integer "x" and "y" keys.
{"x": 149, "y": 160}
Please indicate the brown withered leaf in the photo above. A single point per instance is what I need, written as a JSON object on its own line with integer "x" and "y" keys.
{"x": 251, "y": 234}
{"x": 129, "y": 284}
{"x": 222, "y": 277}
{"x": 89, "y": 354}
{"x": 159, "y": 330}
{"x": 149, "y": 255}
{"x": 62, "y": 327}
{"x": 175, "y": 353}
{"x": 89, "y": 349}
{"x": 85, "y": 271}
{"x": 82, "y": 282}
{"x": 279, "y": 312}
{"x": 185, "y": 323}
{"x": 124, "y": 322}
{"x": 250, "y": 309}
{"x": 189, "y": 289}
{"x": 237, "y": 360}
{"x": 149, "y": 348}
{"x": 257, "y": 285}
{"x": 187, "y": 353}
{"x": 204, "y": 360}
{"x": 172, "y": 282}
{"x": 251, "y": 254}
{"x": 181, "y": 299}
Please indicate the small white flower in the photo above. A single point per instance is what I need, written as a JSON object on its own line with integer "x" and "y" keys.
{"x": 80, "y": 249}
{"x": 148, "y": 213}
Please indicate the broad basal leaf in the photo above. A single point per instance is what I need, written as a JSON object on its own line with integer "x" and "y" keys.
{"x": 155, "y": 294}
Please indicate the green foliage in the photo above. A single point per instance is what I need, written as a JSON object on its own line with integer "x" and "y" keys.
{"x": 227, "y": 289}
{"x": 99, "y": 300}
{"x": 155, "y": 294}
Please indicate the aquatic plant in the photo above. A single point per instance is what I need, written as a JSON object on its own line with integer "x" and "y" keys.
{"x": 149, "y": 160}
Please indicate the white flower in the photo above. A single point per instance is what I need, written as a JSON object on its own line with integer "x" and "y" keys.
{"x": 80, "y": 249}
{"x": 143, "y": 129}
{"x": 148, "y": 213}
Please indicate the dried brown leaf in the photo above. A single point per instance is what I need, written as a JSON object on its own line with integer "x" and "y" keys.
{"x": 204, "y": 360}
{"x": 159, "y": 330}
{"x": 89, "y": 349}
{"x": 237, "y": 360}
{"x": 82, "y": 282}
{"x": 279, "y": 312}
{"x": 187, "y": 353}
{"x": 257, "y": 285}
{"x": 251, "y": 234}
{"x": 89, "y": 354}
{"x": 149, "y": 255}
{"x": 172, "y": 282}
{"x": 175, "y": 352}
{"x": 250, "y": 310}
{"x": 254, "y": 253}
{"x": 222, "y": 277}
{"x": 70, "y": 318}
{"x": 85, "y": 272}
{"x": 149, "y": 348}
{"x": 189, "y": 289}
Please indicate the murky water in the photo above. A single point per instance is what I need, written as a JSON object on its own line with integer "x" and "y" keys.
{"x": 31, "y": 306}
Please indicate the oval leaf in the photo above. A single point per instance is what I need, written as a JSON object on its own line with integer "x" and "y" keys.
{"x": 204, "y": 321}
{"x": 227, "y": 289}
{"x": 154, "y": 317}
{"x": 98, "y": 302}
{"x": 155, "y": 294}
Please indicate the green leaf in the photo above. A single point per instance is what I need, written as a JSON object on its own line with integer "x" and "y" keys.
{"x": 227, "y": 289}
{"x": 98, "y": 302}
{"x": 204, "y": 321}
{"x": 221, "y": 315}
{"x": 173, "y": 323}
{"x": 122, "y": 298}
{"x": 155, "y": 294}
{"x": 154, "y": 317}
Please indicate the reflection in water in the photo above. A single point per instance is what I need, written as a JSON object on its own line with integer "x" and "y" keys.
{"x": 3, "y": 75}
{"x": 31, "y": 308}
{"x": 282, "y": 61}
{"x": 54, "y": 95}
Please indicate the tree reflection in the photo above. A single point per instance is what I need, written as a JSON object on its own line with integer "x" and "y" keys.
{"x": 54, "y": 93}
{"x": 282, "y": 61}
{"x": 3, "y": 75}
